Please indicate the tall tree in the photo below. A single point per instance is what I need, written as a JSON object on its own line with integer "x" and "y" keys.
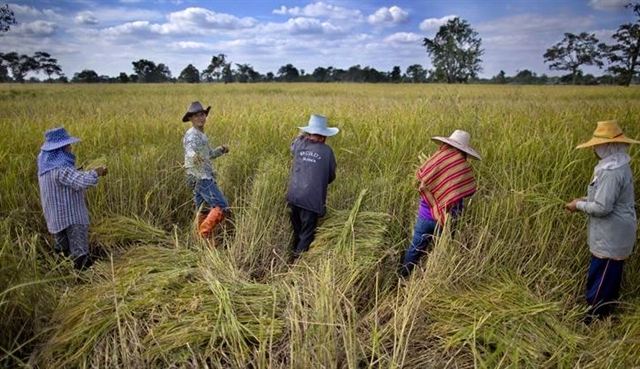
{"x": 396, "y": 74}
{"x": 573, "y": 52}
{"x": 20, "y": 65}
{"x": 48, "y": 64}
{"x": 190, "y": 74}
{"x": 623, "y": 55}
{"x": 7, "y": 19}
{"x": 215, "y": 69}
{"x": 455, "y": 51}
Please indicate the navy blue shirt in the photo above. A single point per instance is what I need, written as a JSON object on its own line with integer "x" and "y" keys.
{"x": 314, "y": 167}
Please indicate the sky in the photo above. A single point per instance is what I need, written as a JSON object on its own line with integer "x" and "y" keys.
{"x": 106, "y": 36}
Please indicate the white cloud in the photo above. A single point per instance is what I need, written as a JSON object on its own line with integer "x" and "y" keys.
{"x": 389, "y": 16}
{"x": 608, "y": 4}
{"x": 86, "y": 17}
{"x": 320, "y": 9}
{"x": 302, "y": 26}
{"x": 434, "y": 23}
{"x": 35, "y": 29}
{"x": 205, "y": 19}
{"x": 404, "y": 38}
{"x": 24, "y": 10}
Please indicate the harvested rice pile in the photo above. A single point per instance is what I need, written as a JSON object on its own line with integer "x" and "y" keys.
{"x": 159, "y": 306}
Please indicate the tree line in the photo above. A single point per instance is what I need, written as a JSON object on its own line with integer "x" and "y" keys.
{"x": 455, "y": 52}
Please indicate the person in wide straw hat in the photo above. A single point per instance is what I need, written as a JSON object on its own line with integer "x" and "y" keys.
{"x": 612, "y": 216}
{"x": 62, "y": 189}
{"x": 314, "y": 168}
{"x": 211, "y": 205}
{"x": 444, "y": 180}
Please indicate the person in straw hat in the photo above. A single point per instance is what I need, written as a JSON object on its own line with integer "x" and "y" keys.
{"x": 612, "y": 216}
{"x": 211, "y": 205}
{"x": 314, "y": 168}
{"x": 62, "y": 194}
{"x": 444, "y": 180}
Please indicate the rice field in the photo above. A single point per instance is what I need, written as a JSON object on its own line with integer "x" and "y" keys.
{"x": 506, "y": 291}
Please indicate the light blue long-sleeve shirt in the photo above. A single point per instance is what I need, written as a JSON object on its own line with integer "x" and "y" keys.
{"x": 612, "y": 216}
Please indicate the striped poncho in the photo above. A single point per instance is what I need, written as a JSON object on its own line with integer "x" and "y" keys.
{"x": 445, "y": 178}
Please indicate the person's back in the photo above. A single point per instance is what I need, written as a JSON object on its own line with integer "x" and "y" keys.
{"x": 314, "y": 167}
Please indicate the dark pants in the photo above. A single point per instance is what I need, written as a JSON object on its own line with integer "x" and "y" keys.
{"x": 423, "y": 232}
{"x": 74, "y": 241}
{"x": 304, "y": 224}
{"x": 603, "y": 285}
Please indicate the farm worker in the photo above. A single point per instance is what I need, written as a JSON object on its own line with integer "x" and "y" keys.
{"x": 314, "y": 167}
{"x": 609, "y": 203}
{"x": 211, "y": 205}
{"x": 62, "y": 189}
{"x": 444, "y": 180}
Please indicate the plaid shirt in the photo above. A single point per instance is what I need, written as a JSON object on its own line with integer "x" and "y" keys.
{"x": 62, "y": 197}
{"x": 198, "y": 154}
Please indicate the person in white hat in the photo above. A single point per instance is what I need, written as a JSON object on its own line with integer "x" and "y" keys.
{"x": 314, "y": 167}
{"x": 211, "y": 205}
{"x": 444, "y": 180}
{"x": 62, "y": 189}
{"x": 610, "y": 204}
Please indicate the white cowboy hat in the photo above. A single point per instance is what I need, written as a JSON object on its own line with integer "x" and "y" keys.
{"x": 318, "y": 126}
{"x": 460, "y": 140}
{"x": 195, "y": 107}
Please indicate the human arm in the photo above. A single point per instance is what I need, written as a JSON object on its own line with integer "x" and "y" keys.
{"x": 79, "y": 180}
{"x": 295, "y": 141}
{"x": 219, "y": 151}
{"x": 606, "y": 191}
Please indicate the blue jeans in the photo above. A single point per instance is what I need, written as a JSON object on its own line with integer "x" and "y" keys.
{"x": 423, "y": 232}
{"x": 603, "y": 285}
{"x": 206, "y": 194}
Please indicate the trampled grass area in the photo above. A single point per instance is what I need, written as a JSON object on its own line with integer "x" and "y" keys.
{"x": 506, "y": 291}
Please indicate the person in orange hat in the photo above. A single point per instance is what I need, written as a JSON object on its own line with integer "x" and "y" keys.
{"x": 612, "y": 216}
{"x": 445, "y": 179}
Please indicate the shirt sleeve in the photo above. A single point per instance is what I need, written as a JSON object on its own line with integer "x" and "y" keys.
{"x": 606, "y": 192}
{"x": 332, "y": 168}
{"x": 296, "y": 142}
{"x": 214, "y": 153}
{"x": 76, "y": 179}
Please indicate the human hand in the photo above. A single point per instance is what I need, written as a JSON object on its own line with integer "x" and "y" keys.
{"x": 224, "y": 149}
{"x": 101, "y": 171}
{"x": 572, "y": 205}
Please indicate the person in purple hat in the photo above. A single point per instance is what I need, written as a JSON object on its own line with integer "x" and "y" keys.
{"x": 314, "y": 168}
{"x": 62, "y": 189}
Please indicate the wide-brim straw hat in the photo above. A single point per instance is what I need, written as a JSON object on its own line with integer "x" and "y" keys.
{"x": 460, "y": 140}
{"x": 194, "y": 108}
{"x": 56, "y": 138}
{"x": 318, "y": 126}
{"x": 607, "y": 131}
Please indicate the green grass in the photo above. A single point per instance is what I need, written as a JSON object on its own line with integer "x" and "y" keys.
{"x": 506, "y": 291}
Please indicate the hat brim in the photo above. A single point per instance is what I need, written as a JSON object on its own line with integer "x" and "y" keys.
{"x": 474, "y": 154}
{"x": 327, "y": 132}
{"x": 188, "y": 115}
{"x": 50, "y": 146}
{"x": 599, "y": 141}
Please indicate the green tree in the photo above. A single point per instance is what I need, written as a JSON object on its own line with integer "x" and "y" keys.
{"x": 86, "y": 76}
{"x": 190, "y": 74}
{"x": 48, "y": 64}
{"x": 575, "y": 51}
{"x": 148, "y": 72}
{"x": 7, "y": 19}
{"x": 215, "y": 69}
{"x": 455, "y": 51}
{"x": 396, "y": 74}
{"x": 288, "y": 73}
{"x": 416, "y": 73}
{"x": 123, "y": 78}
{"x": 19, "y": 65}
{"x": 623, "y": 56}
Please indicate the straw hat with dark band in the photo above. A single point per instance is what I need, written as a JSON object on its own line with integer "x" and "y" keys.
{"x": 607, "y": 131}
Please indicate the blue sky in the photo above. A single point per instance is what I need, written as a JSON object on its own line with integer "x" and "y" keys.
{"x": 107, "y": 36}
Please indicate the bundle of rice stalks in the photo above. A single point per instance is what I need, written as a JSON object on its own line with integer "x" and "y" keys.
{"x": 119, "y": 230}
{"x": 157, "y": 307}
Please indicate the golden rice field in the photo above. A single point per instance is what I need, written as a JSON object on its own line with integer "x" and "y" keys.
{"x": 505, "y": 292}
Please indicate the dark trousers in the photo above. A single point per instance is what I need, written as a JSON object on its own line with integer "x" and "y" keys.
{"x": 603, "y": 285}
{"x": 304, "y": 224}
